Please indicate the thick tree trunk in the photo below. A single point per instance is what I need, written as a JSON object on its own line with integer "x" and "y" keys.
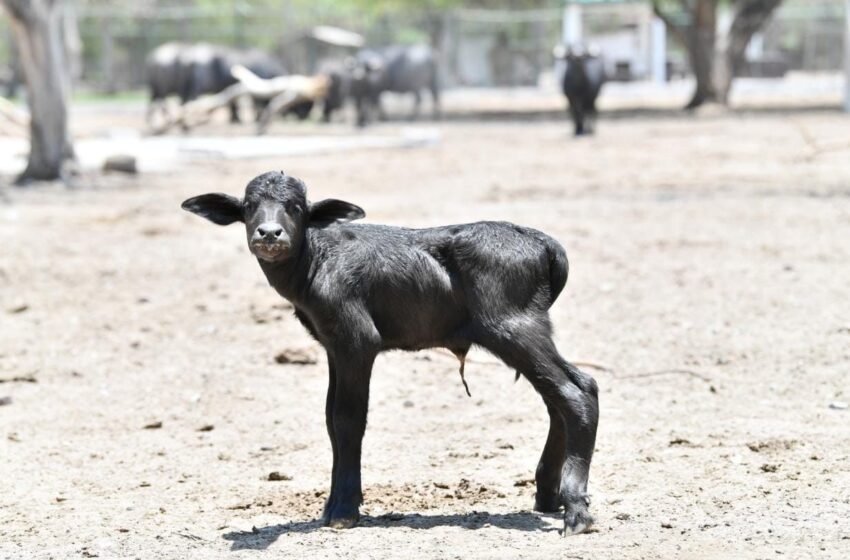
{"x": 714, "y": 63}
{"x": 750, "y": 16}
{"x": 701, "y": 54}
{"x": 702, "y": 38}
{"x": 38, "y": 31}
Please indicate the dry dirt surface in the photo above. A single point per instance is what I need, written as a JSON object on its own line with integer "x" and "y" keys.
{"x": 152, "y": 381}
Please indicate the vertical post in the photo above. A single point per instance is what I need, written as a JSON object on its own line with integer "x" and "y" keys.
{"x": 571, "y": 31}
{"x": 847, "y": 56}
{"x": 659, "y": 51}
{"x": 447, "y": 52}
{"x": 107, "y": 76}
{"x": 15, "y": 63}
{"x": 184, "y": 26}
{"x": 755, "y": 52}
{"x": 239, "y": 10}
{"x": 540, "y": 50}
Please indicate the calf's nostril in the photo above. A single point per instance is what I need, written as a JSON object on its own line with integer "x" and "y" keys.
{"x": 269, "y": 231}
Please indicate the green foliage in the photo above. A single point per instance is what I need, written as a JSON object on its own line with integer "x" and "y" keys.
{"x": 374, "y": 7}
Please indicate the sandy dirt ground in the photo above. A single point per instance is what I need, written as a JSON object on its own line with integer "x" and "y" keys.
{"x": 710, "y": 273}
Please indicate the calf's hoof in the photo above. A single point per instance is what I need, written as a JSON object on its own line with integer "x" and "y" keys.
{"x": 548, "y": 502}
{"x": 576, "y": 517}
{"x": 326, "y": 512}
{"x": 343, "y": 522}
{"x": 341, "y": 516}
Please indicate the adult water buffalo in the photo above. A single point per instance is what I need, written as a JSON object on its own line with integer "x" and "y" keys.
{"x": 339, "y": 74}
{"x": 191, "y": 70}
{"x": 398, "y": 69}
{"x": 583, "y": 78}
{"x": 184, "y": 70}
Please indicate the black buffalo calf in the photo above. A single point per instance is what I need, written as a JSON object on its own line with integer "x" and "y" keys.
{"x": 361, "y": 289}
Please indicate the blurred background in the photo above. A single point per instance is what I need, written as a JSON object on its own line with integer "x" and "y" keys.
{"x": 159, "y": 400}
{"x": 493, "y": 57}
{"x": 481, "y": 44}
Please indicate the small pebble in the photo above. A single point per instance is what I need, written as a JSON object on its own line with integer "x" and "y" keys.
{"x": 295, "y": 356}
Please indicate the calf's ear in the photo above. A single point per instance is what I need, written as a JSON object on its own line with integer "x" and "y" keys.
{"x": 331, "y": 210}
{"x": 221, "y": 209}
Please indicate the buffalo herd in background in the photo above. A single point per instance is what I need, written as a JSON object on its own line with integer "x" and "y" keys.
{"x": 188, "y": 71}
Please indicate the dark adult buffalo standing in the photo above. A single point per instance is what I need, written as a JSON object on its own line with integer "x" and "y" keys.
{"x": 189, "y": 71}
{"x": 339, "y": 74}
{"x": 583, "y": 78}
{"x": 397, "y": 69}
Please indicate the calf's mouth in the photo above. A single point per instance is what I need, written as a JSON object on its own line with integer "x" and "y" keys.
{"x": 270, "y": 250}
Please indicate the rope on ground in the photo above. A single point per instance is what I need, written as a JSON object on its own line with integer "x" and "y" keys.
{"x": 590, "y": 364}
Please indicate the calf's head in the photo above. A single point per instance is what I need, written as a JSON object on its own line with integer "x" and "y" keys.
{"x": 275, "y": 212}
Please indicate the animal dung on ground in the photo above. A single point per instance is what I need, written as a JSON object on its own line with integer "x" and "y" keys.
{"x": 153, "y": 425}
{"x": 276, "y": 476}
{"x": 297, "y": 356}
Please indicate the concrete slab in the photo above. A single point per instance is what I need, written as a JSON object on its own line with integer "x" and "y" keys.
{"x": 162, "y": 153}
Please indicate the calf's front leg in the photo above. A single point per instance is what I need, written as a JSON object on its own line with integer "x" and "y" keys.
{"x": 350, "y": 407}
{"x": 329, "y": 424}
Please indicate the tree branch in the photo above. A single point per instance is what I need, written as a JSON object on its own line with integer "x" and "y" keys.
{"x": 21, "y": 10}
{"x": 674, "y": 29}
{"x": 750, "y": 17}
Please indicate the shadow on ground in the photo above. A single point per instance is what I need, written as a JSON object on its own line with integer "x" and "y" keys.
{"x": 261, "y": 538}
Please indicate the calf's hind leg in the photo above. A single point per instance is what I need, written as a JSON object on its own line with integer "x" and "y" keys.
{"x": 571, "y": 397}
{"x": 551, "y": 465}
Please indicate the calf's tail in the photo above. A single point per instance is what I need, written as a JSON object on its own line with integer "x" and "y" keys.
{"x": 559, "y": 267}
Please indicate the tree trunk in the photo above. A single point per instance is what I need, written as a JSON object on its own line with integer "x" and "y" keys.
{"x": 38, "y": 31}
{"x": 701, "y": 54}
{"x": 702, "y": 38}
{"x": 715, "y": 63}
{"x": 750, "y": 16}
